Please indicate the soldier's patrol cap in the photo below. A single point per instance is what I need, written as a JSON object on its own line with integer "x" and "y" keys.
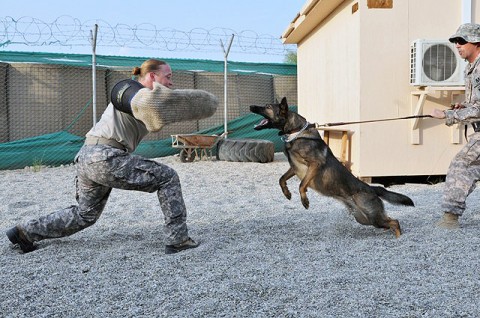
{"x": 469, "y": 32}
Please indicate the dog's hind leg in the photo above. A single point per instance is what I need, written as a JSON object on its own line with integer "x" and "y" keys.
{"x": 283, "y": 182}
{"x": 369, "y": 210}
{"x": 394, "y": 225}
{"x": 383, "y": 221}
{"x": 359, "y": 215}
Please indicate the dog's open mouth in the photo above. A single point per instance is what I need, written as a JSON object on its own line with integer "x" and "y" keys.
{"x": 261, "y": 124}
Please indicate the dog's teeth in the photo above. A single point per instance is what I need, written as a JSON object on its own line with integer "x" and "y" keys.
{"x": 262, "y": 123}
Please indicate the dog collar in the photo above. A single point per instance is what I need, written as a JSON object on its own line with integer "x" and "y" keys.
{"x": 291, "y": 137}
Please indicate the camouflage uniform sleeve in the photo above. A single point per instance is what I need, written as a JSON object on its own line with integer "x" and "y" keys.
{"x": 466, "y": 115}
{"x": 471, "y": 112}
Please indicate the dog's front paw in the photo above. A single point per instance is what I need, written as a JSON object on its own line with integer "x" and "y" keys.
{"x": 287, "y": 194}
{"x": 305, "y": 202}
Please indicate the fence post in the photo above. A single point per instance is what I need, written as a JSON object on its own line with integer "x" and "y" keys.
{"x": 225, "y": 80}
{"x": 93, "y": 36}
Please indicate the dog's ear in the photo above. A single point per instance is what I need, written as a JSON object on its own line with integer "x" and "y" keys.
{"x": 284, "y": 107}
{"x": 276, "y": 100}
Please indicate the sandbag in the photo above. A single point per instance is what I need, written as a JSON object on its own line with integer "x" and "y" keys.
{"x": 161, "y": 105}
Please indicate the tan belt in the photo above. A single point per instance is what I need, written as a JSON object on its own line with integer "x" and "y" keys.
{"x": 92, "y": 140}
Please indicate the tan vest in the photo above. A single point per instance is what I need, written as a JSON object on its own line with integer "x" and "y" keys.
{"x": 121, "y": 127}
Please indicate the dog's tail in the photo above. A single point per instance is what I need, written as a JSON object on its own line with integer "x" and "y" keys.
{"x": 392, "y": 197}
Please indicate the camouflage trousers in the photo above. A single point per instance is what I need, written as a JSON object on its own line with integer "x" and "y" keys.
{"x": 101, "y": 168}
{"x": 462, "y": 175}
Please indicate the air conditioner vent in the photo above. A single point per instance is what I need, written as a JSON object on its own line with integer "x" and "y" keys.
{"x": 435, "y": 63}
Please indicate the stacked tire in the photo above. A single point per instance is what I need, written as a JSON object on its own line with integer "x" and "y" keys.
{"x": 245, "y": 150}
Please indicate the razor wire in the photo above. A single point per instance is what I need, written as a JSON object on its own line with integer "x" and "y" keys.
{"x": 67, "y": 31}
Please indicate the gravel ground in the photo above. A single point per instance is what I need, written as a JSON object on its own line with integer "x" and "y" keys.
{"x": 261, "y": 255}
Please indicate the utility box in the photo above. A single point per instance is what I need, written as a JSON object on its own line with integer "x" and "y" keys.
{"x": 436, "y": 63}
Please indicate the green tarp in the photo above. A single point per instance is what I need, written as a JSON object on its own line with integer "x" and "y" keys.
{"x": 125, "y": 61}
{"x": 51, "y": 149}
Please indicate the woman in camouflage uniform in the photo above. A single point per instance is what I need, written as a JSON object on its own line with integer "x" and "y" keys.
{"x": 464, "y": 170}
{"x": 106, "y": 162}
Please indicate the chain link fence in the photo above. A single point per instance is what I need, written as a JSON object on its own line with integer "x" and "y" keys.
{"x": 46, "y": 100}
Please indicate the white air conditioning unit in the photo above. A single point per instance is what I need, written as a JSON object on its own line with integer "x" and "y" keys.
{"x": 435, "y": 63}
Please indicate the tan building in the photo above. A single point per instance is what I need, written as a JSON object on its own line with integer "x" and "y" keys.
{"x": 379, "y": 59}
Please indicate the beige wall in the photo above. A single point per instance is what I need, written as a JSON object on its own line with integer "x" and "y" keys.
{"x": 356, "y": 66}
{"x": 47, "y": 98}
{"x": 328, "y": 75}
{"x": 4, "y": 131}
{"x": 285, "y": 86}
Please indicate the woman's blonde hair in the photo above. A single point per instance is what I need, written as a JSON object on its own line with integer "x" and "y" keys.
{"x": 148, "y": 66}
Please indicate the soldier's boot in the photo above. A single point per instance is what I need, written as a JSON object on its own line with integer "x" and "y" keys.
{"x": 449, "y": 221}
{"x": 16, "y": 236}
{"x": 172, "y": 249}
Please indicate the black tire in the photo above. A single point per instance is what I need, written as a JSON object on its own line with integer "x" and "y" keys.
{"x": 245, "y": 150}
{"x": 186, "y": 157}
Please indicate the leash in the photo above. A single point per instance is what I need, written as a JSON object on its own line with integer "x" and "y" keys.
{"x": 370, "y": 121}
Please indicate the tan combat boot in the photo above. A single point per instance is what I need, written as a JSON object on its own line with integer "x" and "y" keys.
{"x": 449, "y": 221}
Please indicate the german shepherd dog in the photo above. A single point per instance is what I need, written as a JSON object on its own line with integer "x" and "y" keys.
{"x": 312, "y": 161}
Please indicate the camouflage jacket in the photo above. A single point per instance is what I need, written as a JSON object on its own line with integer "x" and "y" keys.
{"x": 471, "y": 112}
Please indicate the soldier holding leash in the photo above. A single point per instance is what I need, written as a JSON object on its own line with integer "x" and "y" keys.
{"x": 464, "y": 170}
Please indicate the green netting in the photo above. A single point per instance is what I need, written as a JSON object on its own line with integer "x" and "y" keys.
{"x": 61, "y": 147}
{"x": 125, "y": 61}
